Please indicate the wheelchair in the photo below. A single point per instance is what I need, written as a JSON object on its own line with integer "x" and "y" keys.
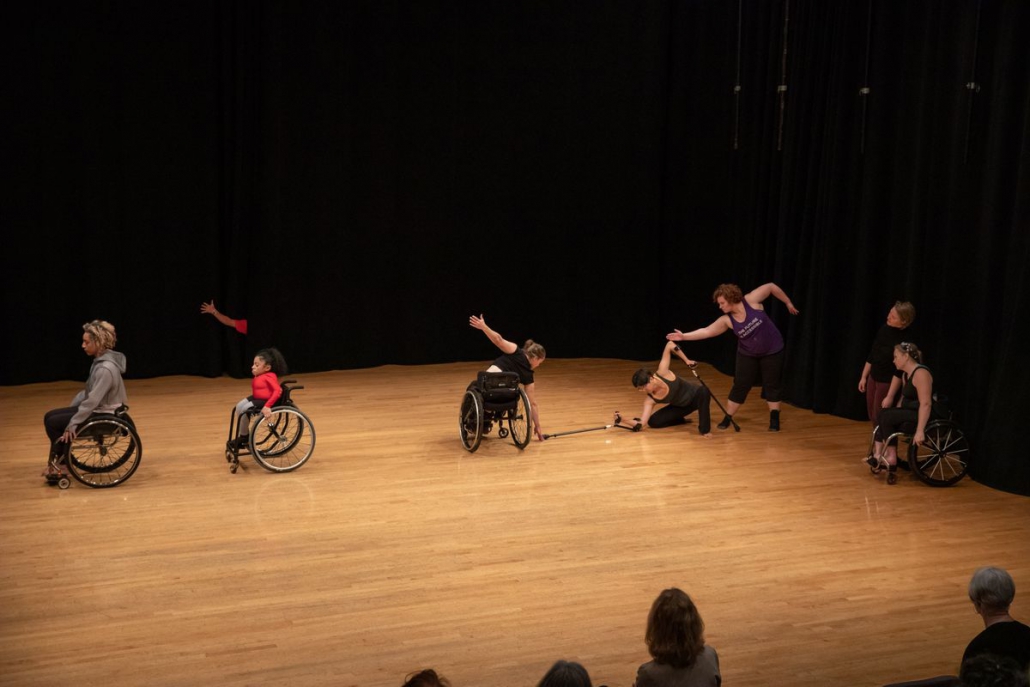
{"x": 495, "y": 397}
{"x": 942, "y": 459}
{"x": 104, "y": 453}
{"x": 281, "y": 443}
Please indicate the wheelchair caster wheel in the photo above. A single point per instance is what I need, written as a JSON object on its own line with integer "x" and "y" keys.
{"x": 64, "y": 483}
{"x": 228, "y": 456}
{"x": 233, "y": 467}
{"x": 892, "y": 478}
{"x": 502, "y": 433}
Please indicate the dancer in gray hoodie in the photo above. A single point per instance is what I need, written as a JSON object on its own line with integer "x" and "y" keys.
{"x": 104, "y": 392}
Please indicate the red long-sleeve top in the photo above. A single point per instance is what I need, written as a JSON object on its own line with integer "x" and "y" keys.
{"x": 266, "y": 386}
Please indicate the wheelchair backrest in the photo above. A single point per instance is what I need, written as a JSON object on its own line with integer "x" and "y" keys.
{"x": 941, "y": 408}
{"x": 498, "y": 387}
{"x": 284, "y": 399}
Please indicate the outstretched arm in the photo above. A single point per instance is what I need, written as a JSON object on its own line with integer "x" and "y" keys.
{"x": 645, "y": 413}
{"x": 757, "y": 296}
{"x": 498, "y": 340}
{"x": 714, "y": 329}
{"x": 210, "y": 309}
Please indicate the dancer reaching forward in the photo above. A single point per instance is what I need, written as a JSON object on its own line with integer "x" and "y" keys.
{"x": 682, "y": 396}
{"x": 522, "y": 361}
{"x": 759, "y": 345}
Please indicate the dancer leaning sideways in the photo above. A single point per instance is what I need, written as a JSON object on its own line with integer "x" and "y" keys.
{"x": 759, "y": 344}
{"x": 523, "y": 361}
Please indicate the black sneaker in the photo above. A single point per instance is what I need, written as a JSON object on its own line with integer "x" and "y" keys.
{"x": 774, "y": 421}
{"x": 726, "y": 421}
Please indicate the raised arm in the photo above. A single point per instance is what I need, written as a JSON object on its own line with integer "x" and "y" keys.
{"x": 757, "y": 296}
{"x": 210, "y": 309}
{"x": 666, "y": 362}
{"x": 714, "y": 329}
{"x": 498, "y": 340}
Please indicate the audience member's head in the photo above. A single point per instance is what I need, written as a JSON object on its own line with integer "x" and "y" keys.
{"x": 987, "y": 670}
{"x": 426, "y": 678}
{"x": 675, "y": 632}
{"x": 565, "y": 674}
{"x": 991, "y": 590}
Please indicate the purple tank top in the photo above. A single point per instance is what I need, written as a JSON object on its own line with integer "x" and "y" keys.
{"x": 757, "y": 335}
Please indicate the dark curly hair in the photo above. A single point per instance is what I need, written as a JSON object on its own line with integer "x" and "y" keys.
{"x": 275, "y": 360}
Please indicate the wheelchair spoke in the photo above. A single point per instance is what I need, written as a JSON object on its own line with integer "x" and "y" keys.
{"x": 105, "y": 453}
{"x": 285, "y": 441}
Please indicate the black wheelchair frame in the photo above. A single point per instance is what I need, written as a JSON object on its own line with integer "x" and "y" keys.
{"x": 105, "y": 452}
{"x": 940, "y": 461}
{"x": 495, "y": 397}
{"x": 282, "y": 443}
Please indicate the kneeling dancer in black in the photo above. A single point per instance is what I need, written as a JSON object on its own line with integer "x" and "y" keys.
{"x": 682, "y": 397}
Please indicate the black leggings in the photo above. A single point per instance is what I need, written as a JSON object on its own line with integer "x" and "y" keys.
{"x": 676, "y": 415}
{"x": 55, "y": 422}
{"x": 771, "y": 367}
{"x": 896, "y": 420}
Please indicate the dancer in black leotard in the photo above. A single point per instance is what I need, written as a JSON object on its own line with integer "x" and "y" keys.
{"x": 682, "y": 397}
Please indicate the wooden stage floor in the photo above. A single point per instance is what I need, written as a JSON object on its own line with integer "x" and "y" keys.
{"x": 393, "y": 549}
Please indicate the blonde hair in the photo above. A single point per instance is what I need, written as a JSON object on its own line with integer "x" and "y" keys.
{"x": 534, "y": 350}
{"x": 911, "y": 350}
{"x": 102, "y": 333}
{"x": 906, "y": 312}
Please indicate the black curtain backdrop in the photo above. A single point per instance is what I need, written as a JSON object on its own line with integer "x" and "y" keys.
{"x": 357, "y": 178}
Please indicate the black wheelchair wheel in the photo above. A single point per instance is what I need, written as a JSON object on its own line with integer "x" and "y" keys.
{"x": 105, "y": 452}
{"x": 284, "y": 442}
{"x": 281, "y": 432}
{"x": 470, "y": 420}
{"x": 520, "y": 422}
{"x": 943, "y": 458}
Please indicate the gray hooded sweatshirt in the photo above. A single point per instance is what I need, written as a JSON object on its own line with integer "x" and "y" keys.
{"x": 105, "y": 390}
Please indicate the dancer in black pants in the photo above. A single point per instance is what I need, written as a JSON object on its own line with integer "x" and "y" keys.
{"x": 682, "y": 397}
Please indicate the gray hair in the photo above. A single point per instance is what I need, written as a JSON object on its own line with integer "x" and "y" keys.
{"x": 992, "y": 589}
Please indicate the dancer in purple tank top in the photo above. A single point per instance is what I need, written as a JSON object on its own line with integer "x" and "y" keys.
{"x": 759, "y": 345}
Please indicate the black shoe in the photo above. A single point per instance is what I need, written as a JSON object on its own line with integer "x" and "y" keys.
{"x": 872, "y": 462}
{"x": 774, "y": 421}
{"x": 726, "y": 421}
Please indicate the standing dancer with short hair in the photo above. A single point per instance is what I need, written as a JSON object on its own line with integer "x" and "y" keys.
{"x": 759, "y": 345}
